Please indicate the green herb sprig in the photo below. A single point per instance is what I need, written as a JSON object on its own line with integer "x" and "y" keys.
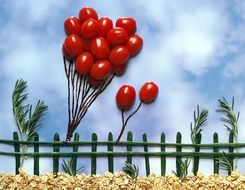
{"x": 68, "y": 167}
{"x": 200, "y": 119}
{"x": 183, "y": 166}
{"x": 131, "y": 169}
{"x": 225, "y": 163}
{"x": 26, "y": 119}
{"x": 230, "y": 120}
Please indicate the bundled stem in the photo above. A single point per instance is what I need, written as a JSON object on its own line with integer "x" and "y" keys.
{"x": 81, "y": 96}
{"x": 125, "y": 122}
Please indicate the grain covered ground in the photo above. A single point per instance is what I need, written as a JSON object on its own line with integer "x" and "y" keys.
{"x": 117, "y": 181}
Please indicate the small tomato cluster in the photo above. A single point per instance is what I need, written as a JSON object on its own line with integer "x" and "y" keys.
{"x": 126, "y": 96}
{"x": 99, "y": 48}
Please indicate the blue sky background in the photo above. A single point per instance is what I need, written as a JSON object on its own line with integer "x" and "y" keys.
{"x": 194, "y": 51}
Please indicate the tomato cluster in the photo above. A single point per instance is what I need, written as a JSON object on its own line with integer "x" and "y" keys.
{"x": 98, "y": 48}
{"x": 126, "y": 95}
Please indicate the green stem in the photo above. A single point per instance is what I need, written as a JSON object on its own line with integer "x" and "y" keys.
{"x": 237, "y": 150}
{"x": 23, "y": 157}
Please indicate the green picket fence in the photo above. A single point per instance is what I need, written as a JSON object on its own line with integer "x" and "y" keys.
{"x": 194, "y": 151}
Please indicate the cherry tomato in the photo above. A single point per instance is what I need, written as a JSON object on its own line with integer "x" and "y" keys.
{"x": 117, "y": 36}
{"x": 125, "y": 97}
{"x": 72, "y": 25}
{"x": 66, "y": 54}
{"x": 118, "y": 55}
{"x": 148, "y": 92}
{"x": 90, "y": 28}
{"x": 119, "y": 69}
{"x": 86, "y": 13}
{"x": 128, "y": 23}
{"x": 73, "y": 45}
{"x": 84, "y": 62}
{"x": 101, "y": 69}
{"x": 134, "y": 44}
{"x": 94, "y": 82}
{"x": 105, "y": 24}
{"x": 100, "y": 48}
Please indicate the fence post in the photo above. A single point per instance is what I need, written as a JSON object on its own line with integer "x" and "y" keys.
{"x": 36, "y": 157}
{"x": 16, "y": 150}
{"x": 147, "y": 162}
{"x": 93, "y": 157}
{"x": 56, "y": 148}
{"x": 129, "y": 146}
{"x": 110, "y": 157}
{"x": 178, "y": 149}
{"x": 163, "y": 158}
{"x": 216, "y": 149}
{"x": 75, "y": 149}
{"x": 196, "y": 158}
{"x": 231, "y": 150}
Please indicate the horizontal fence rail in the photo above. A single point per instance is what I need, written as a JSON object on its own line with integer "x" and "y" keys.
{"x": 110, "y": 152}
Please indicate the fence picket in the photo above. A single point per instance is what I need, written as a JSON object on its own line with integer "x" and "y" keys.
{"x": 147, "y": 162}
{"x": 216, "y": 149}
{"x": 178, "y": 149}
{"x": 110, "y": 157}
{"x": 196, "y": 158}
{"x": 163, "y": 158}
{"x": 75, "y": 149}
{"x": 231, "y": 150}
{"x": 93, "y": 149}
{"x": 56, "y": 148}
{"x": 129, "y": 146}
{"x": 16, "y": 149}
{"x": 36, "y": 157}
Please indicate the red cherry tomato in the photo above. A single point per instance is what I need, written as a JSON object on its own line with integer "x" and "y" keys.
{"x": 100, "y": 48}
{"x": 73, "y": 45}
{"x": 94, "y": 82}
{"x": 128, "y": 23}
{"x": 72, "y": 25}
{"x": 90, "y": 28}
{"x": 117, "y": 36}
{"x": 101, "y": 69}
{"x": 134, "y": 44}
{"x": 105, "y": 24}
{"x": 148, "y": 92}
{"x": 86, "y": 13}
{"x": 125, "y": 97}
{"x": 119, "y": 69}
{"x": 84, "y": 63}
{"x": 118, "y": 55}
{"x": 66, "y": 54}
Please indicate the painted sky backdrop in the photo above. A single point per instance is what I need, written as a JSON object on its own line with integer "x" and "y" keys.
{"x": 193, "y": 49}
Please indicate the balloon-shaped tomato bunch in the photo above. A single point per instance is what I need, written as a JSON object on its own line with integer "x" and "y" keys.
{"x": 126, "y": 96}
{"x": 94, "y": 51}
{"x": 98, "y": 47}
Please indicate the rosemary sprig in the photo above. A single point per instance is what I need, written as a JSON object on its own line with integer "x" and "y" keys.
{"x": 200, "y": 119}
{"x": 26, "y": 119}
{"x": 183, "y": 166}
{"x": 68, "y": 167}
{"x": 131, "y": 169}
{"x": 225, "y": 163}
{"x": 230, "y": 120}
